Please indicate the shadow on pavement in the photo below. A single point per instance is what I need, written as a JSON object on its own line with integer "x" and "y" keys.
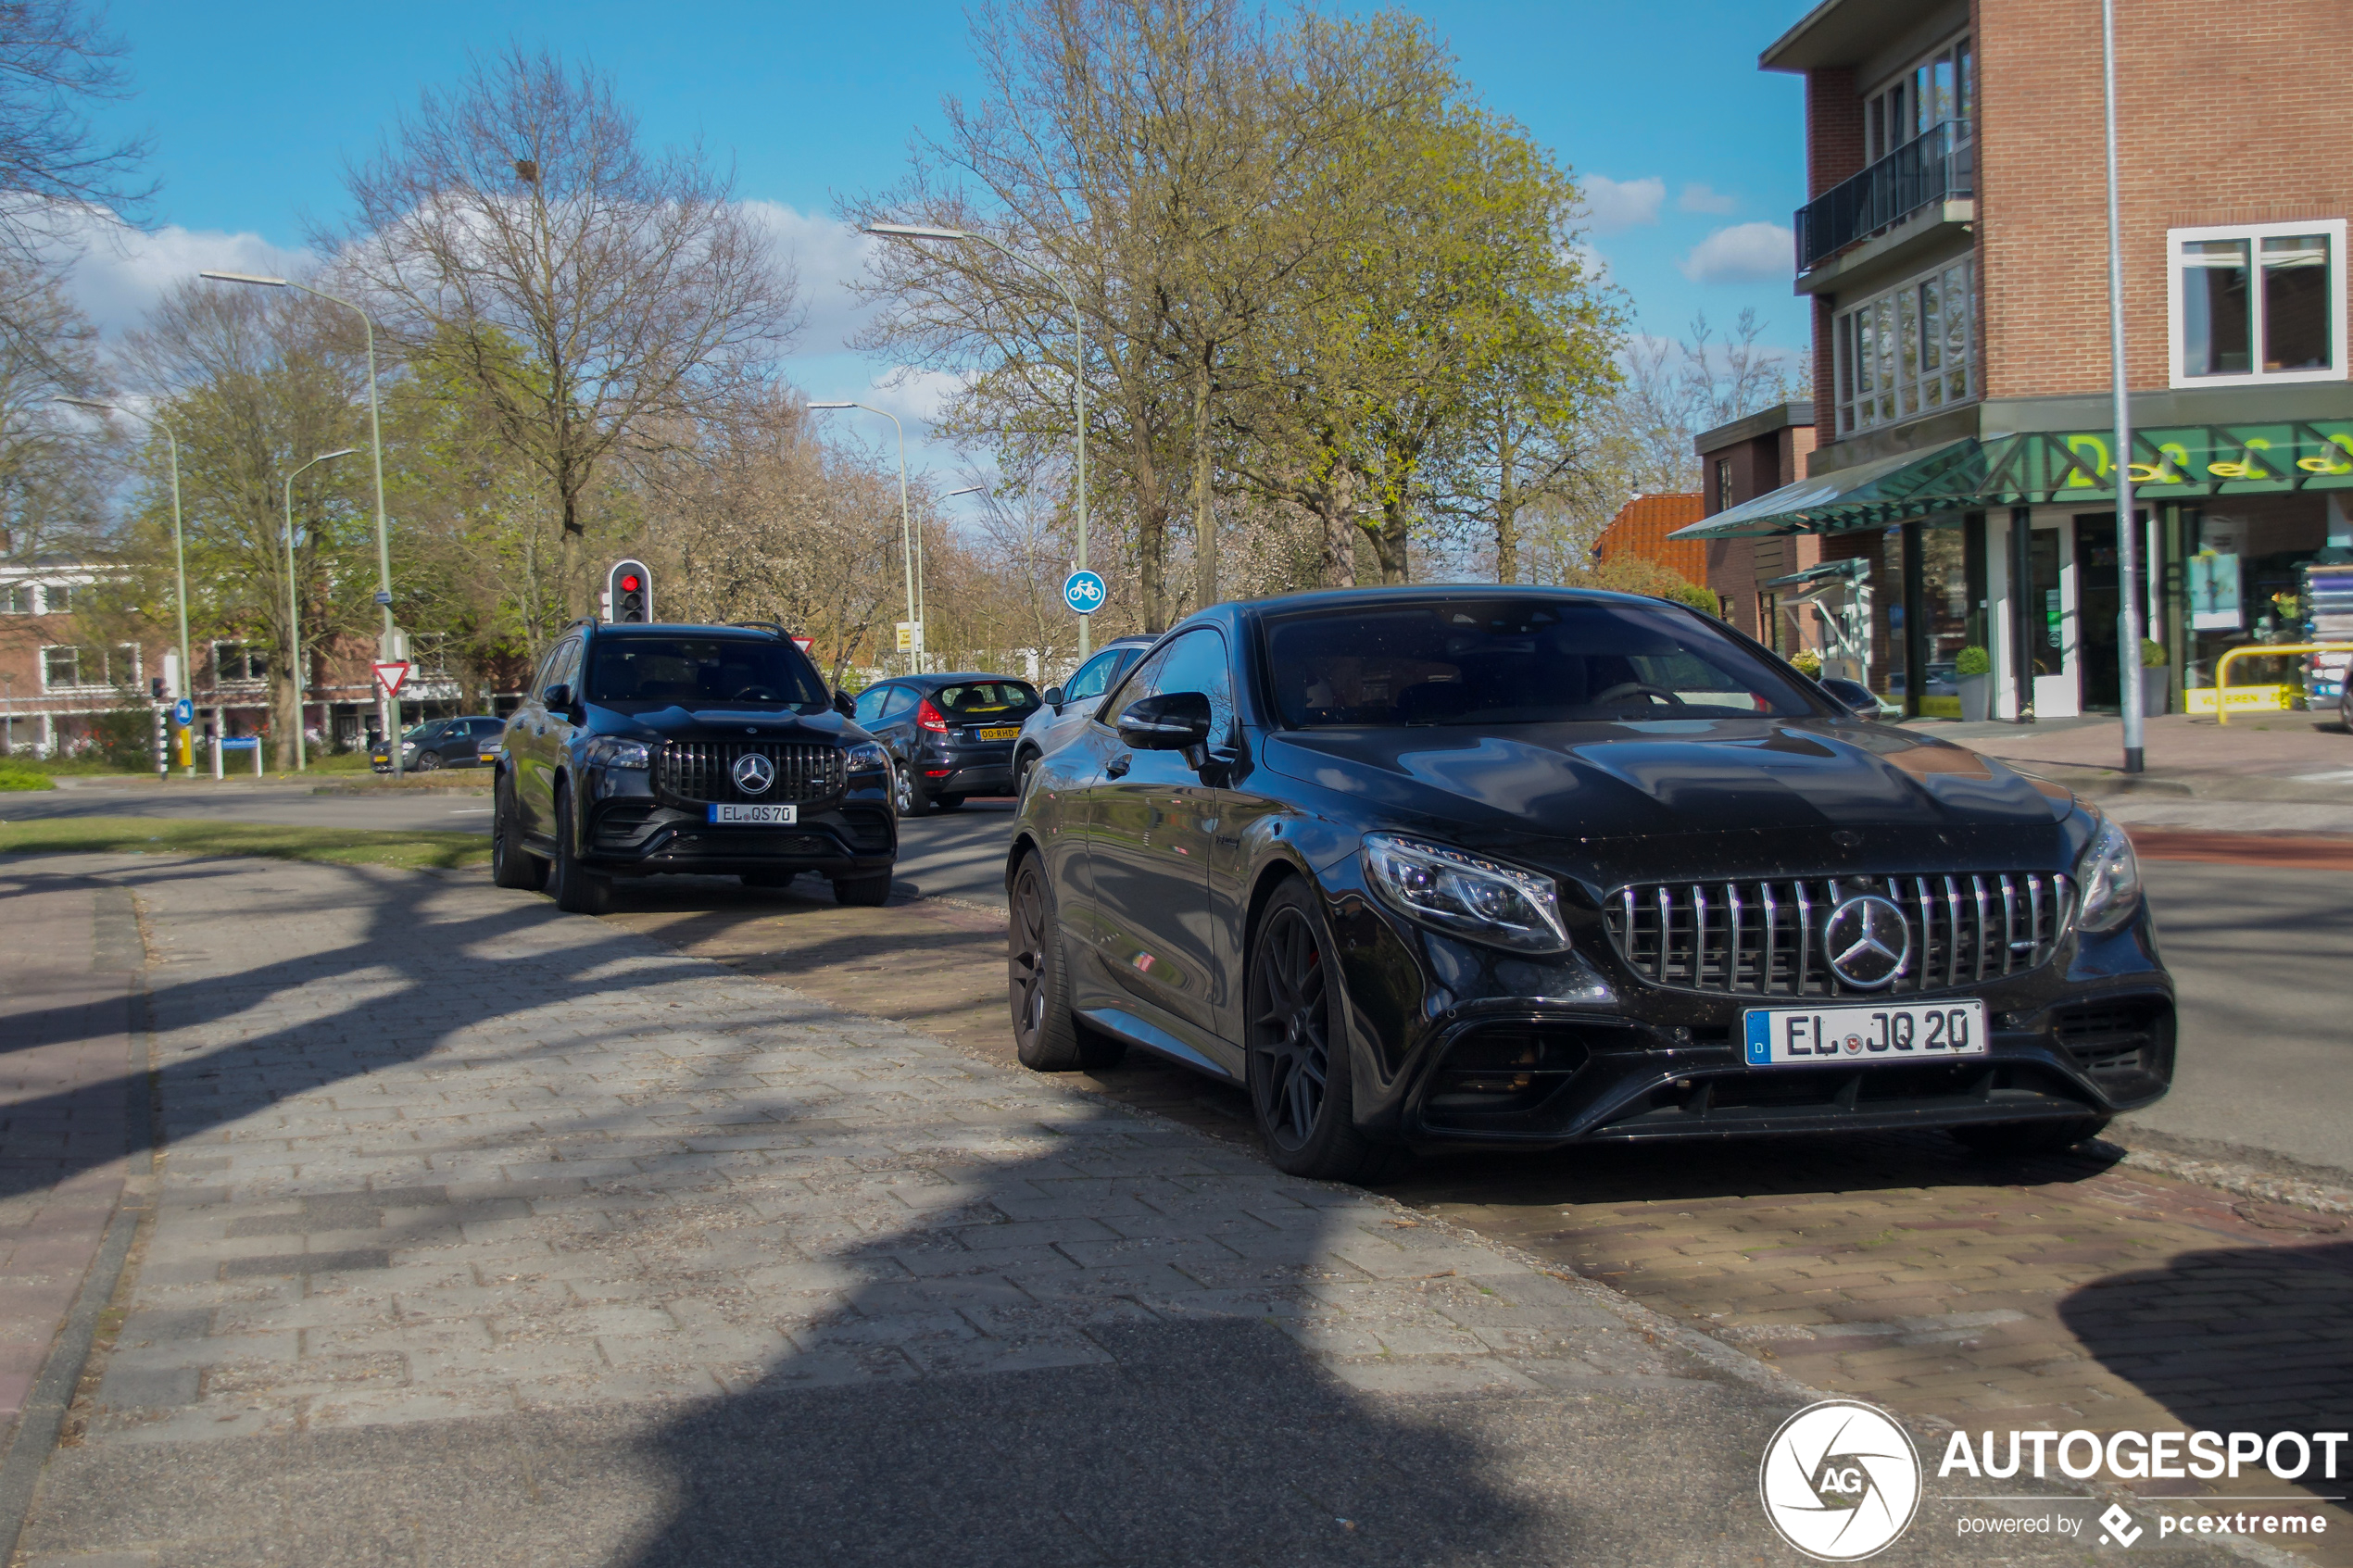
{"x": 2238, "y": 1339}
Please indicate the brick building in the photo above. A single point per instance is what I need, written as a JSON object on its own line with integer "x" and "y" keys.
{"x": 1955, "y": 248}
{"x": 1740, "y": 461}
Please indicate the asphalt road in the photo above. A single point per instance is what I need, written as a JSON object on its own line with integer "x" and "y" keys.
{"x": 2258, "y": 952}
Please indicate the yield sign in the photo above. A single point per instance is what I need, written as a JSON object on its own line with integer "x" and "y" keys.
{"x": 390, "y": 676}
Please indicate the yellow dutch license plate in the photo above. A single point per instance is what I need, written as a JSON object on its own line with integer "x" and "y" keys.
{"x": 1011, "y": 734}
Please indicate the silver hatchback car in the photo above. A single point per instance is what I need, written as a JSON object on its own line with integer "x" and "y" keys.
{"x": 1065, "y": 708}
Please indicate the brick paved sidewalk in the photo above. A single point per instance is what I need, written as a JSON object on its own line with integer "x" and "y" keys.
{"x": 490, "y": 1235}
{"x": 65, "y": 1061}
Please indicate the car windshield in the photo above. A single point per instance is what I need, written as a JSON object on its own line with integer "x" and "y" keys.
{"x": 986, "y": 700}
{"x": 420, "y": 732}
{"x": 1515, "y": 661}
{"x": 758, "y": 671}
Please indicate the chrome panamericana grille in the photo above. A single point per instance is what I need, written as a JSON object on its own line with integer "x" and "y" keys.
{"x": 1765, "y": 938}
{"x": 704, "y": 771}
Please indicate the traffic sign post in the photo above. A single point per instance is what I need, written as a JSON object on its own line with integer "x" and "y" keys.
{"x": 1084, "y": 592}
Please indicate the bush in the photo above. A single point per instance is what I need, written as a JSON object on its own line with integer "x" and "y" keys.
{"x": 1973, "y": 660}
{"x": 15, "y": 775}
{"x": 1808, "y": 664}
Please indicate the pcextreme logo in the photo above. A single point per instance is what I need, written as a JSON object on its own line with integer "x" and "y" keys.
{"x": 1840, "y": 1481}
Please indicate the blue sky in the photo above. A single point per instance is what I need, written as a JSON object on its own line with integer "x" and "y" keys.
{"x": 1694, "y": 158}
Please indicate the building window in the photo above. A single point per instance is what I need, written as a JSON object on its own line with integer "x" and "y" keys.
{"x": 1935, "y": 88}
{"x": 56, "y": 599}
{"x": 1723, "y": 483}
{"x": 60, "y": 668}
{"x": 16, "y": 599}
{"x": 82, "y": 669}
{"x": 235, "y": 662}
{"x": 1907, "y": 352}
{"x": 2255, "y": 303}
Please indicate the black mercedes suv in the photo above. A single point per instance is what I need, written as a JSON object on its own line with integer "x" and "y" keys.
{"x": 1511, "y": 866}
{"x": 640, "y": 750}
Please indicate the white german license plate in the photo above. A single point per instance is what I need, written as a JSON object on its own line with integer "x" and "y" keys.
{"x": 765, "y": 816}
{"x": 1879, "y": 1032}
{"x": 1012, "y": 734}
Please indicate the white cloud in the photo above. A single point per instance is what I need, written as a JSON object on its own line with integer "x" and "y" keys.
{"x": 1743, "y": 253}
{"x": 121, "y": 272}
{"x": 826, "y": 254}
{"x": 1699, "y": 197}
{"x": 1622, "y": 204}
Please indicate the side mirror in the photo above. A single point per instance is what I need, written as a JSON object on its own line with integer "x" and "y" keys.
{"x": 556, "y": 698}
{"x": 1169, "y": 721}
{"x": 1052, "y": 697}
{"x": 1853, "y": 696}
{"x": 844, "y": 706}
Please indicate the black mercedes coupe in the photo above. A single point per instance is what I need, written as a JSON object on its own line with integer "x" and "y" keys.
{"x": 1438, "y": 866}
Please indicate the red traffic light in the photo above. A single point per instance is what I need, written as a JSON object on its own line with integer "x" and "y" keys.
{"x": 629, "y": 585}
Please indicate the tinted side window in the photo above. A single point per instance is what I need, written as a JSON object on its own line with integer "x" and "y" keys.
{"x": 901, "y": 698}
{"x": 870, "y": 703}
{"x": 563, "y": 665}
{"x": 1196, "y": 663}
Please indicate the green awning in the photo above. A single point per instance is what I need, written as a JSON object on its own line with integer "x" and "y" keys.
{"x": 2042, "y": 467}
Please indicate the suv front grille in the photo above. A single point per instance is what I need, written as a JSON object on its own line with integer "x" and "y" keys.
{"x": 704, "y": 771}
{"x": 1765, "y": 938}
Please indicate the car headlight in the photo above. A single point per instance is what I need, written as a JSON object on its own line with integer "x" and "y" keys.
{"x": 866, "y": 757}
{"x": 613, "y": 752}
{"x": 1465, "y": 894}
{"x": 2110, "y": 878}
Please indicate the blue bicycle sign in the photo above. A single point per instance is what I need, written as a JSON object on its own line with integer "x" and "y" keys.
{"x": 1084, "y": 592}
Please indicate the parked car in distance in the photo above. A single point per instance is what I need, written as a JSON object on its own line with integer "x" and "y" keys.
{"x": 440, "y": 743}
{"x": 646, "y": 749}
{"x": 1522, "y": 867}
{"x": 1061, "y": 709}
{"x": 949, "y": 737}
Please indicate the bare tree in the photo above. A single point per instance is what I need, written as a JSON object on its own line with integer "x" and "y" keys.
{"x": 53, "y": 465}
{"x": 55, "y": 60}
{"x": 513, "y": 230}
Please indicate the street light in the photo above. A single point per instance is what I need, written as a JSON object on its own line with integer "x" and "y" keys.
{"x": 2128, "y": 543}
{"x": 906, "y": 529}
{"x": 294, "y": 613}
{"x": 178, "y": 546}
{"x": 390, "y": 701}
{"x": 1077, "y": 362}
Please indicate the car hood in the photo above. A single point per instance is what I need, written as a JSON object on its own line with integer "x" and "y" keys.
{"x": 1762, "y": 780}
{"x": 677, "y": 722}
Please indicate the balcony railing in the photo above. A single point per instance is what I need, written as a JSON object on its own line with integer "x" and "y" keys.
{"x": 1938, "y": 165}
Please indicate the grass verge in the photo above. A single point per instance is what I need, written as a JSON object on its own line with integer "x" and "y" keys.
{"x": 343, "y": 846}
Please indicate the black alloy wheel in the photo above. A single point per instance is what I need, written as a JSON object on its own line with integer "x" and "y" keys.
{"x": 1048, "y": 1036}
{"x": 576, "y": 889}
{"x": 510, "y": 864}
{"x": 427, "y": 760}
{"x": 1298, "y": 1056}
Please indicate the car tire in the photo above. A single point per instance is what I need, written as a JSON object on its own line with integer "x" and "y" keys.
{"x": 510, "y": 864}
{"x": 906, "y": 795}
{"x": 946, "y": 802}
{"x": 1022, "y": 765}
{"x": 427, "y": 760}
{"x": 863, "y": 892}
{"x": 1297, "y": 1045}
{"x": 576, "y": 889}
{"x": 1048, "y": 1036}
{"x": 2028, "y": 1137}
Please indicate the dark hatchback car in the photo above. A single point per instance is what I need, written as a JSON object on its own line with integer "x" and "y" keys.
{"x": 440, "y": 743}
{"x": 641, "y": 750}
{"x": 1449, "y": 866}
{"x": 949, "y": 736}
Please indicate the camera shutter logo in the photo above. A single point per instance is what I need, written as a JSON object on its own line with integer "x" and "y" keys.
{"x": 1868, "y": 942}
{"x": 754, "y": 774}
{"x": 1840, "y": 1481}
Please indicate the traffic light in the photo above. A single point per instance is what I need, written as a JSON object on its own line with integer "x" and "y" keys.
{"x": 629, "y": 589}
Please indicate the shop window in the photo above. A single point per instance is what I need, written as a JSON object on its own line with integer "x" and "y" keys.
{"x": 1906, "y": 352}
{"x": 2256, "y": 303}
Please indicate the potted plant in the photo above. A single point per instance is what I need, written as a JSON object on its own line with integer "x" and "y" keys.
{"x": 1807, "y": 663}
{"x": 2156, "y": 692}
{"x": 1973, "y": 672}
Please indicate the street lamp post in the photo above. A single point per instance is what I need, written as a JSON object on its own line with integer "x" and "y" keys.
{"x": 179, "y": 544}
{"x": 390, "y": 701}
{"x": 293, "y": 612}
{"x": 2128, "y": 543}
{"x": 906, "y": 528}
{"x": 1077, "y": 361}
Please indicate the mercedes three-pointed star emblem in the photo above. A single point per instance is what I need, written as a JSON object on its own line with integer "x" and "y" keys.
{"x": 1867, "y": 941}
{"x": 754, "y": 774}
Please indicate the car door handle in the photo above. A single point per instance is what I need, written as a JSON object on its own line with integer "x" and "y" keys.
{"x": 1116, "y": 768}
